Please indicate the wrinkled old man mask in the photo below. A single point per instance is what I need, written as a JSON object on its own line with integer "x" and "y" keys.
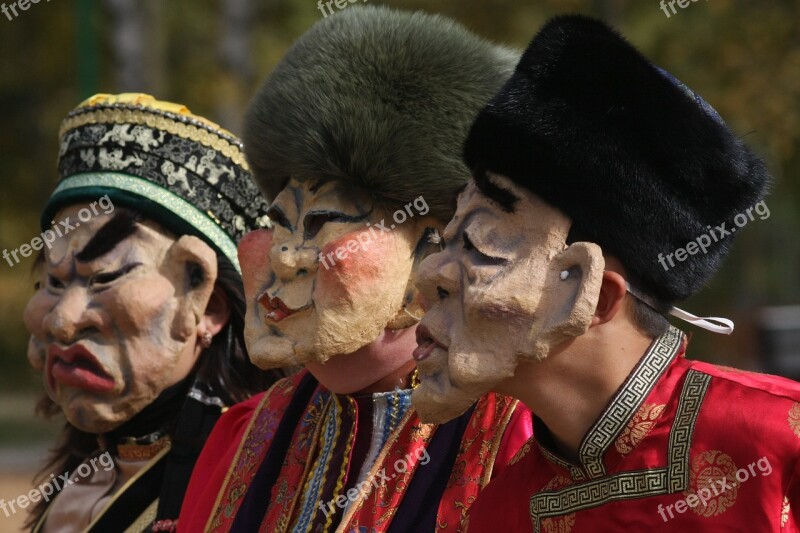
{"x": 112, "y": 327}
{"x": 506, "y": 288}
{"x": 333, "y": 275}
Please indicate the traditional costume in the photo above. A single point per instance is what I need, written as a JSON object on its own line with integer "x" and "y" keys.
{"x": 682, "y": 446}
{"x": 300, "y": 458}
{"x": 641, "y": 165}
{"x": 189, "y": 176}
{"x": 378, "y": 100}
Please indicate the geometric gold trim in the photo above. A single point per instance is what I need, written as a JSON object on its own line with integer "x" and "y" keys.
{"x": 692, "y": 394}
{"x": 197, "y": 133}
{"x": 627, "y": 402}
{"x": 633, "y": 484}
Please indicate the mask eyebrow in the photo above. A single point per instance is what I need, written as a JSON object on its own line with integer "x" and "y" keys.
{"x": 116, "y": 230}
{"x": 503, "y": 197}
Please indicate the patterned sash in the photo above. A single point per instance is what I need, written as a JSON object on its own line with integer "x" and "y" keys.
{"x": 275, "y": 461}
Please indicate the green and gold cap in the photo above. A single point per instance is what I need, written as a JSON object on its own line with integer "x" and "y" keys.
{"x": 176, "y": 168}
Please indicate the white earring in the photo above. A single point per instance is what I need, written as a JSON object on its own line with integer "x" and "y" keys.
{"x": 564, "y": 274}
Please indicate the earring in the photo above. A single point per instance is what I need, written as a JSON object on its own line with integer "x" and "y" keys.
{"x": 564, "y": 274}
{"x": 205, "y": 339}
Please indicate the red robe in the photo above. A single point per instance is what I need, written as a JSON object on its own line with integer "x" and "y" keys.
{"x": 682, "y": 446}
{"x": 273, "y": 462}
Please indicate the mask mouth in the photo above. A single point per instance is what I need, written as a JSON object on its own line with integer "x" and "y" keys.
{"x": 275, "y": 309}
{"x": 77, "y": 367}
{"x": 426, "y": 344}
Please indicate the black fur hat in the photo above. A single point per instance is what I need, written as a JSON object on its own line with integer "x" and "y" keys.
{"x": 379, "y": 98}
{"x": 640, "y": 163}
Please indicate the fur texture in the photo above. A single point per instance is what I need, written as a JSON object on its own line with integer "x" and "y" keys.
{"x": 639, "y": 163}
{"x": 379, "y": 98}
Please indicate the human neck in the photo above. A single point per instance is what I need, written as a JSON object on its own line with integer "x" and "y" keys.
{"x": 380, "y": 366}
{"x": 399, "y": 379}
{"x": 570, "y": 388}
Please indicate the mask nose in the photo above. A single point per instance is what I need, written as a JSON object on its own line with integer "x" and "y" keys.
{"x": 291, "y": 259}
{"x": 437, "y": 279}
{"x": 69, "y": 317}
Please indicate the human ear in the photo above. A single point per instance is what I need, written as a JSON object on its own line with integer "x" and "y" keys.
{"x": 217, "y": 313}
{"x": 612, "y": 293}
{"x": 570, "y": 297}
{"x": 191, "y": 265}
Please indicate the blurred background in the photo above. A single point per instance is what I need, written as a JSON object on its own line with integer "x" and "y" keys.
{"x": 742, "y": 56}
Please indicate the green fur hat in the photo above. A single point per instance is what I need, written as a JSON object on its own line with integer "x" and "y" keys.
{"x": 379, "y": 98}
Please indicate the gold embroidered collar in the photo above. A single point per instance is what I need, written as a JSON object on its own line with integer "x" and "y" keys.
{"x": 621, "y": 409}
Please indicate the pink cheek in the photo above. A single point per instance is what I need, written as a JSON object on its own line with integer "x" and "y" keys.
{"x": 363, "y": 267}
{"x": 254, "y": 259}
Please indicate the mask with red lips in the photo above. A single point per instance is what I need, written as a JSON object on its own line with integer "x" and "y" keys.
{"x": 330, "y": 278}
{"x": 111, "y": 333}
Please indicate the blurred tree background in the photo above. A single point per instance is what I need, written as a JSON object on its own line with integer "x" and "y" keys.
{"x": 742, "y": 56}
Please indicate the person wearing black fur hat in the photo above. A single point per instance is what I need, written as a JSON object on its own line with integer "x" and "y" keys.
{"x": 590, "y": 168}
{"x": 355, "y": 138}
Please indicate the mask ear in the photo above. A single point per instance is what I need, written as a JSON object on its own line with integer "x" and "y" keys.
{"x": 191, "y": 264}
{"x": 573, "y": 289}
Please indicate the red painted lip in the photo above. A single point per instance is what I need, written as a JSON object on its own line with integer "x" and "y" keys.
{"x": 426, "y": 344}
{"x": 275, "y": 309}
{"x": 77, "y": 367}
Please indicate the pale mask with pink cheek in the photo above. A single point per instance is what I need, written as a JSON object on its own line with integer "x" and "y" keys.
{"x": 110, "y": 333}
{"x": 506, "y": 289}
{"x": 330, "y": 278}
